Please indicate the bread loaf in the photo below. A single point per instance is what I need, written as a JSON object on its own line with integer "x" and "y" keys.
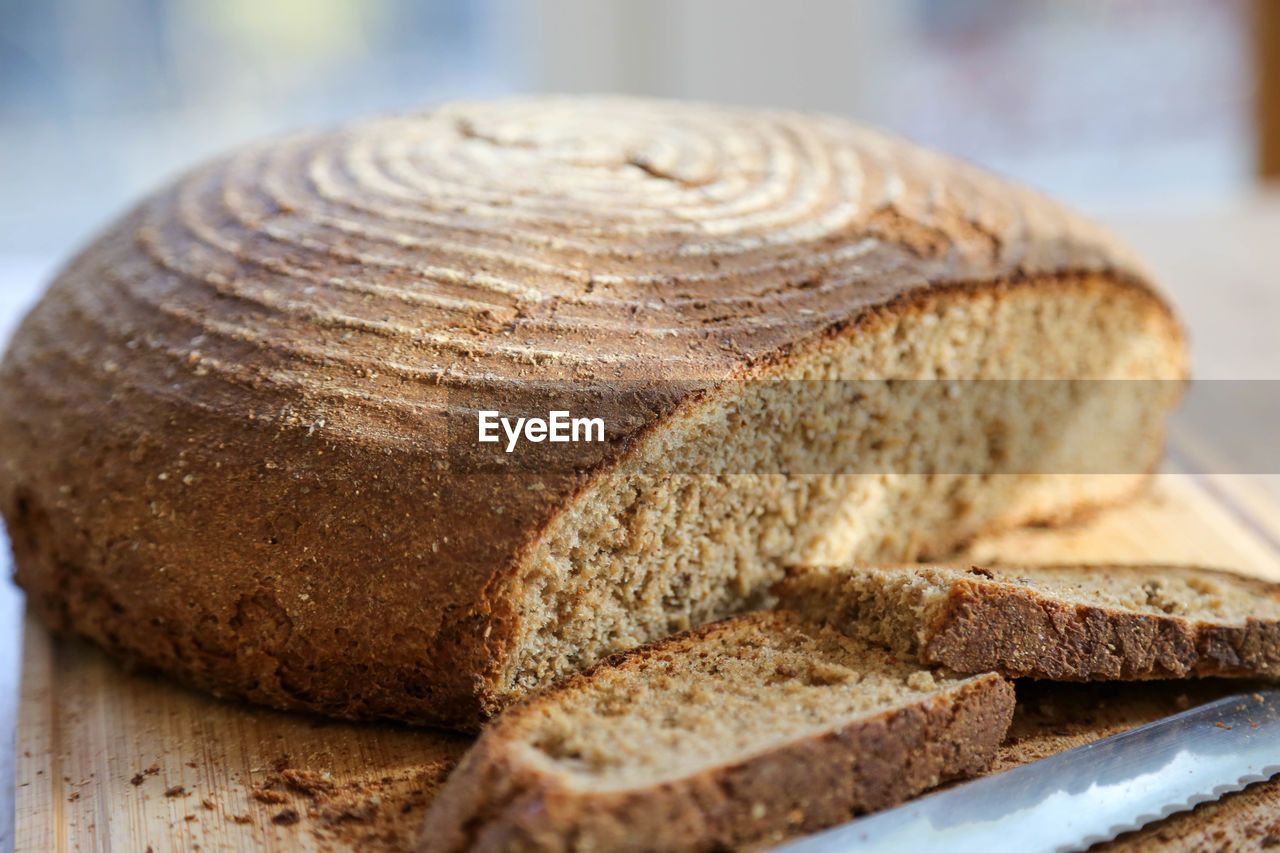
{"x": 741, "y": 732}
{"x": 1067, "y": 623}
{"x": 239, "y": 433}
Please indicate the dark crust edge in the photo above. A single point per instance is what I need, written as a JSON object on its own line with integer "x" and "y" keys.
{"x": 499, "y": 800}
{"x": 988, "y": 627}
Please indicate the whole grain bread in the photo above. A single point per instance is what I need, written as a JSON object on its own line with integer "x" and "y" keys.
{"x": 238, "y": 433}
{"x": 1068, "y": 623}
{"x": 744, "y": 731}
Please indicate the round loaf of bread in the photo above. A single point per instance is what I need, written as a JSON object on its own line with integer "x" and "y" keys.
{"x": 231, "y": 431}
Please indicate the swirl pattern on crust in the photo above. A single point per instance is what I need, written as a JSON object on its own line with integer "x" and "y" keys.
{"x": 354, "y": 277}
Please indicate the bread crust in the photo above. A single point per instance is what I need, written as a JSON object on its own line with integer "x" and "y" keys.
{"x": 224, "y": 455}
{"x": 500, "y": 800}
{"x": 985, "y": 627}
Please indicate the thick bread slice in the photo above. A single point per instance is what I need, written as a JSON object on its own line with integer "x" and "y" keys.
{"x": 1070, "y": 623}
{"x": 746, "y": 730}
{"x": 239, "y": 434}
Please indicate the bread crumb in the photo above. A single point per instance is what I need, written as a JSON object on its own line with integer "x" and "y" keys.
{"x": 308, "y": 782}
{"x": 823, "y": 672}
{"x": 266, "y": 795}
{"x": 288, "y": 817}
{"x": 922, "y": 680}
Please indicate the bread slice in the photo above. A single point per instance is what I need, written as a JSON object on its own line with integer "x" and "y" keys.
{"x": 1070, "y": 623}
{"x": 738, "y": 732}
{"x": 239, "y": 434}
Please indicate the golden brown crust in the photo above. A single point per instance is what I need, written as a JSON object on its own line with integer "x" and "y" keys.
{"x": 225, "y": 427}
{"x": 987, "y": 627}
{"x": 499, "y": 800}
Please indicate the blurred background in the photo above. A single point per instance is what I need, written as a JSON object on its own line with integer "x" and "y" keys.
{"x": 1103, "y": 102}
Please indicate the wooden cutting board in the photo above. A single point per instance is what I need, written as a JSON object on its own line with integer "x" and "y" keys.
{"x": 108, "y": 760}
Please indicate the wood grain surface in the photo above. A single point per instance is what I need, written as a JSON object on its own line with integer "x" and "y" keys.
{"x": 109, "y": 760}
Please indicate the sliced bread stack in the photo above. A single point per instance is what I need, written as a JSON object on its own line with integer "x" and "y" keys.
{"x": 747, "y": 730}
{"x": 1066, "y": 623}
{"x": 868, "y": 686}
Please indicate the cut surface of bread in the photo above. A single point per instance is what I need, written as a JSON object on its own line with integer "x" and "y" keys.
{"x": 1071, "y": 623}
{"x": 750, "y": 729}
{"x": 237, "y": 433}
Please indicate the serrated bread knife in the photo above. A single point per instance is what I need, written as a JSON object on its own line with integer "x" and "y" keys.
{"x": 1092, "y": 793}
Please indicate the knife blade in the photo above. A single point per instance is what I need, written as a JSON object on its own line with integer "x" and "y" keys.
{"x": 1077, "y": 798}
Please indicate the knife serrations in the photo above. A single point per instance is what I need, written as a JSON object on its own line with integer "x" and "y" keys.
{"x": 1093, "y": 793}
{"x": 1172, "y": 809}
